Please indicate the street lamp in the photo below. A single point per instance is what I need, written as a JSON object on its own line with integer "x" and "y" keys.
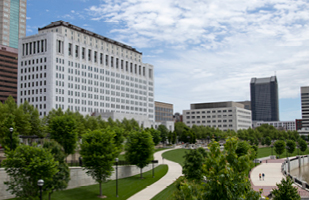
{"x": 272, "y": 146}
{"x": 40, "y": 184}
{"x": 11, "y": 137}
{"x": 116, "y": 160}
{"x": 286, "y": 153}
{"x": 298, "y": 149}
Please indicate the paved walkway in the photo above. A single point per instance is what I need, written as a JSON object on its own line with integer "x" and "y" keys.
{"x": 174, "y": 171}
{"x": 272, "y": 170}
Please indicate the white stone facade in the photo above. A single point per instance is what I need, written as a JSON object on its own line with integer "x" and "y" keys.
{"x": 68, "y": 67}
{"x": 284, "y": 125}
{"x": 223, "y": 118}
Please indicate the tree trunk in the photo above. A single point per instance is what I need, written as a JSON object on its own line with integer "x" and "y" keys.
{"x": 100, "y": 189}
{"x": 141, "y": 173}
{"x": 49, "y": 195}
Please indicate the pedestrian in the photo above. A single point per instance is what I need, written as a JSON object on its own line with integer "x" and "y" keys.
{"x": 263, "y": 175}
{"x": 260, "y": 176}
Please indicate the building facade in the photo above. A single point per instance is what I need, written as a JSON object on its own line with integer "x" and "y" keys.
{"x": 65, "y": 66}
{"x": 12, "y": 21}
{"x": 264, "y": 99}
{"x": 280, "y": 125}
{"x": 222, "y": 115}
{"x": 304, "y": 92}
{"x": 8, "y": 72}
{"x": 163, "y": 111}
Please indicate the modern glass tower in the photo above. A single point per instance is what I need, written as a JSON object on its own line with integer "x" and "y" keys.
{"x": 264, "y": 99}
{"x": 12, "y": 21}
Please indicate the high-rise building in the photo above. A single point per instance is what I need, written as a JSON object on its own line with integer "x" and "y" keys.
{"x": 163, "y": 111}
{"x": 8, "y": 72}
{"x": 12, "y": 21}
{"x": 305, "y": 105}
{"x": 222, "y": 115}
{"x": 68, "y": 67}
{"x": 264, "y": 99}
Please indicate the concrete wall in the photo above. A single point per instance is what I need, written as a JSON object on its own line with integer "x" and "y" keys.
{"x": 78, "y": 177}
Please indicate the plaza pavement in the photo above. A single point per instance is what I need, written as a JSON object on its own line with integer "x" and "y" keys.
{"x": 174, "y": 171}
{"x": 272, "y": 170}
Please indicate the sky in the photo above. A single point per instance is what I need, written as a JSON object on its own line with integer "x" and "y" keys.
{"x": 202, "y": 50}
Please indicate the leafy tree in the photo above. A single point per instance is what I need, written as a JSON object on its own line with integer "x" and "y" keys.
{"x": 61, "y": 179}
{"x": 139, "y": 149}
{"x": 291, "y": 146}
{"x": 99, "y": 151}
{"x": 193, "y": 164}
{"x": 279, "y": 146}
{"x": 155, "y": 135}
{"x": 242, "y": 148}
{"x": 25, "y": 166}
{"x": 163, "y": 132}
{"x": 268, "y": 141}
{"x": 285, "y": 190}
{"x": 302, "y": 145}
{"x": 6, "y": 139}
{"x": 63, "y": 130}
{"x": 226, "y": 173}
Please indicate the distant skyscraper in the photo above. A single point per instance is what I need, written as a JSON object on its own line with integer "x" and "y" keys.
{"x": 305, "y": 105}
{"x": 12, "y": 21}
{"x": 264, "y": 99}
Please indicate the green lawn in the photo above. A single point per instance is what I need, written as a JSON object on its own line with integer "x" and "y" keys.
{"x": 126, "y": 187}
{"x": 266, "y": 151}
{"x": 175, "y": 155}
{"x": 121, "y": 157}
{"x": 166, "y": 193}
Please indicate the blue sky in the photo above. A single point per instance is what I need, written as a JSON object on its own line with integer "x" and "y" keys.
{"x": 202, "y": 51}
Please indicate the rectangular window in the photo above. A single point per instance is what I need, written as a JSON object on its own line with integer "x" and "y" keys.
{"x": 70, "y": 49}
{"x": 89, "y": 54}
{"x": 83, "y": 53}
{"x": 76, "y": 51}
{"x": 106, "y": 60}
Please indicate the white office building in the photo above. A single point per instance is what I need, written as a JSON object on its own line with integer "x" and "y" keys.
{"x": 221, "y": 115}
{"x": 68, "y": 67}
{"x": 280, "y": 125}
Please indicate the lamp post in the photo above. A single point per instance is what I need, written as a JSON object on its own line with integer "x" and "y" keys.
{"x": 287, "y": 148}
{"x": 272, "y": 146}
{"x": 11, "y": 137}
{"x": 298, "y": 149}
{"x": 40, "y": 184}
{"x": 116, "y": 159}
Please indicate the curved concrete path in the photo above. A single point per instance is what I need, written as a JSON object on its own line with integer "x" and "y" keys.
{"x": 273, "y": 176}
{"x": 174, "y": 171}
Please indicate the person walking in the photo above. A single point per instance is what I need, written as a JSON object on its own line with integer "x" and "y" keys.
{"x": 263, "y": 175}
{"x": 260, "y": 176}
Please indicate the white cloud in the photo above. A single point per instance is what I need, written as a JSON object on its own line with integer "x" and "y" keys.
{"x": 28, "y": 18}
{"x": 213, "y": 48}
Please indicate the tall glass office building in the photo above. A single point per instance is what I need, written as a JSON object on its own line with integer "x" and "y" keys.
{"x": 12, "y": 21}
{"x": 264, "y": 99}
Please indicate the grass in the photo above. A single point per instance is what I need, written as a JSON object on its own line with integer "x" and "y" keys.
{"x": 175, "y": 155}
{"x": 126, "y": 187}
{"x": 166, "y": 193}
{"x": 266, "y": 151}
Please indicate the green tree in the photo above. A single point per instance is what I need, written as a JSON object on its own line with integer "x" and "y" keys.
{"x": 279, "y": 146}
{"x": 99, "y": 151}
{"x": 163, "y": 132}
{"x": 302, "y": 145}
{"x": 155, "y": 135}
{"x": 291, "y": 146}
{"x": 139, "y": 149}
{"x": 61, "y": 179}
{"x": 286, "y": 191}
{"x": 268, "y": 141}
{"x": 193, "y": 164}
{"x": 242, "y": 148}
{"x": 63, "y": 130}
{"x": 9, "y": 140}
{"x": 25, "y": 166}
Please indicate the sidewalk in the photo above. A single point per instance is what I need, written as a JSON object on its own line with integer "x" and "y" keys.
{"x": 273, "y": 176}
{"x": 174, "y": 171}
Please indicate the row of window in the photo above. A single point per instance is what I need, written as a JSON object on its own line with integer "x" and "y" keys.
{"x": 34, "y": 47}
{"x": 219, "y": 125}
{"x": 208, "y": 111}
{"x": 32, "y": 84}
{"x": 208, "y": 116}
